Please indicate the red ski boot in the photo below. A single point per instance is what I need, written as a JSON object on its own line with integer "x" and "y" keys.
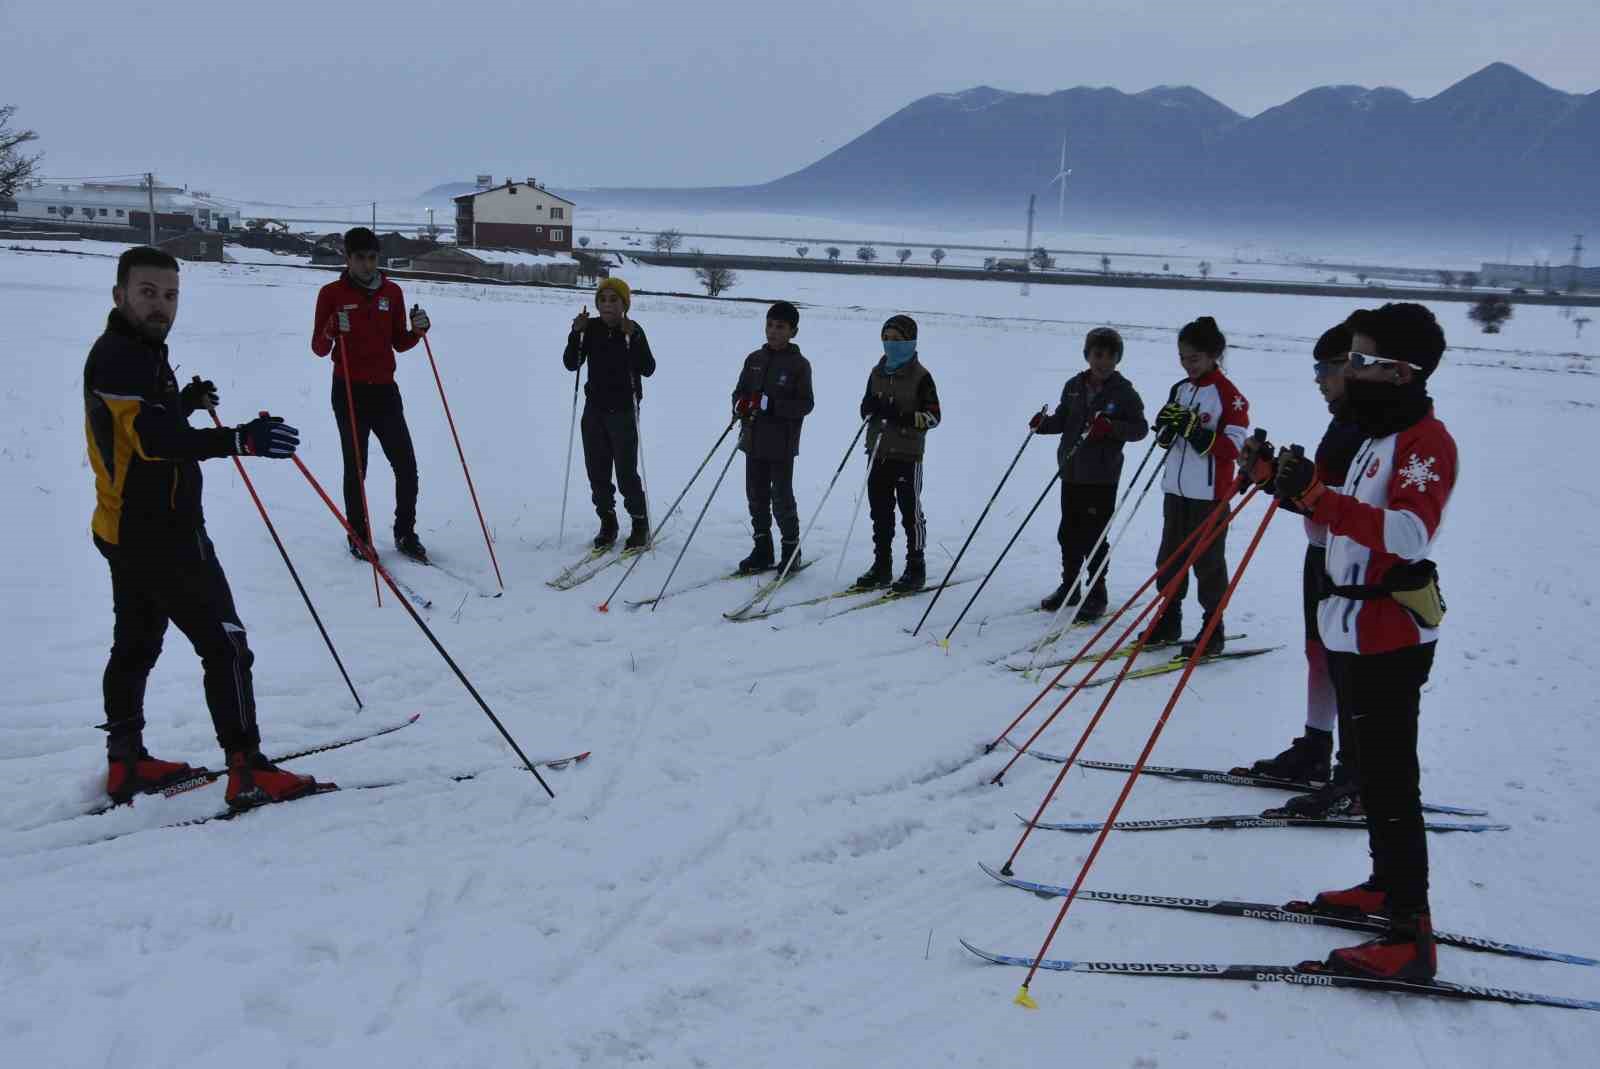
{"x": 1405, "y": 953}
{"x": 144, "y": 775}
{"x": 1361, "y": 901}
{"x": 253, "y": 781}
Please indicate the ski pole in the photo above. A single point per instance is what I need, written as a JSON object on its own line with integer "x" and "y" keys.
{"x": 855, "y": 514}
{"x": 605, "y": 606}
{"x": 360, "y": 462}
{"x": 1064, "y": 462}
{"x": 462, "y": 454}
{"x": 644, "y": 476}
{"x": 1127, "y": 788}
{"x": 709, "y": 497}
{"x": 566, "y": 482}
{"x": 406, "y": 605}
{"x": 287, "y": 563}
{"x": 1078, "y": 586}
{"x": 818, "y": 511}
{"x": 1032, "y": 433}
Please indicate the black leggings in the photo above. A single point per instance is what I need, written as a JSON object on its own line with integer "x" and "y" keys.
{"x": 380, "y": 411}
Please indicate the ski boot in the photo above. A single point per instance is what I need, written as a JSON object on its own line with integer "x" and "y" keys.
{"x": 880, "y": 575}
{"x": 638, "y": 534}
{"x": 1212, "y": 647}
{"x": 1168, "y": 629}
{"x": 760, "y": 558}
{"x": 253, "y": 781}
{"x": 411, "y": 546}
{"x": 791, "y": 552}
{"x": 1092, "y": 609}
{"x": 1405, "y": 952}
{"x": 1339, "y": 797}
{"x": 1307, "y": 759}
{"x": 1363, "y": 900}
{"x": 914, "y": 578}
{"x": 143, "y": 774}
{"x": 1056, "y": 598}
{"x": 607, "y": 536}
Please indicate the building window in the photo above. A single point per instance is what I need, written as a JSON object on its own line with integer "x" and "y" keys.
{"x": 538, "y": 230}
{"x": 51, "y": 209}
{"x": 103, "y": 211}
{"x": 119, "y": 213}
{"x": 558, "y": 213}
{"x": 513, "y": 190}
{"x": 557, "y": 234}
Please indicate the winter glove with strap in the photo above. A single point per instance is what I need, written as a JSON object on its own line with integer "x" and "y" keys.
{"x": 1297, "y": 483}
{"x": 265, "y": 436}
{"x": 419, "y": 320}
{"x": 199, "y": 393}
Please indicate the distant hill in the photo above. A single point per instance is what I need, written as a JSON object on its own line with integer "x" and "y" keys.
{"x": 1495, "y": 147}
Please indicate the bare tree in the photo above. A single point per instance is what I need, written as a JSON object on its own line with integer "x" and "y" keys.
{"x": 1105, "y": 264}
{"x": 990, "y": 263}
{"x": 866, "y": 254}
{"x": 716, "y": 278}
{"x": 1166, "y": 267}
{"x": 802, "y": 250}
{"x": 1361, "y": 277}
{"x": 1447, "y": 279}
{"x": 903, "y": 254}
{"x": 1580, "y": 322}
{"x": 833, "y": 252}
{"x": 1469, "y": 280}
{"x": 1490, "y": 312}
{"x": 938, "y": 255}
{"x": 16, "y": 167}
{"x": 1205, "y": 268}
{"x": 583, "y": 242}
{"x": 667, "y": 241}
{"x": 1041, "y": 259}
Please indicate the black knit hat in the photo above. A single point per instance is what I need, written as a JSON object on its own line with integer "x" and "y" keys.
{"x": 1406, "y": 332}
{"x": 784, "y": 312}
{"x": 1333, "y": 345}
{"x": 360, "y": 239}
{"x": 1102, "y": 338}
{"x": 904, "y": 324}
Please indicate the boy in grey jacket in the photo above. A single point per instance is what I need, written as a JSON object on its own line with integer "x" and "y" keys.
{"x": 772, "y": 399}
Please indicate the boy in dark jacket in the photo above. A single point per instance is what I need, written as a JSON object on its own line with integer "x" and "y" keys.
{"x": 903, "y": 404}
{"x": 619, "y": 358}
{"x": 1104, "y": 410}
{"x": 772, "y": 399}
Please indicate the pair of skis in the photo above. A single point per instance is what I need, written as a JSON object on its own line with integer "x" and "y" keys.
{"x": 592, "y": 564}
{"x": 884, "y": 597}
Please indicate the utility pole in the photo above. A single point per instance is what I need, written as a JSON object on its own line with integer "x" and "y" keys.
{"x": 1577, "y": 263}
{"x": 1027, "y": 248}
{"x": 374, "y": 217}
{"x": 150, "y": 189}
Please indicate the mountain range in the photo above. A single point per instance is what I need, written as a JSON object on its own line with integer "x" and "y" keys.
{"x": 1498, "y": 147}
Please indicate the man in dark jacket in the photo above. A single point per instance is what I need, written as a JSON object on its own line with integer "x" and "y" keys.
{"x": 772, "y": 399}
{"x": 362, "y": 315}
{"x": 149, "y": 526}
{"x": 619, "y": 358}
{"x": 1099, "y": 412}
{"x": 903, "y": 404}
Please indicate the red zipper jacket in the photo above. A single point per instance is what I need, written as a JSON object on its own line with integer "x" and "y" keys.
{"x": 378, "y": 329}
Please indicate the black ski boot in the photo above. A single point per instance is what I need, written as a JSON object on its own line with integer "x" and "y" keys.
{"x": 791, "y": 552}
{"x": 1212, "y": 648}
{"x": 880, "y": 575}
{"x": 1307, "y": 760}
{"x": 1056, "y": 598}
{"x": 1339, "y": 797}
{"x": 411, "y": 546}
{"x": 608, "y": 531}
{"x": 639, "y": 534}
{"x": 355, "y": 549}
{"x": 1092, "y": 609}
{"x": 1169, "y": 628}
{"x": 914, "y": 578}
{"x": 760, "y": 558}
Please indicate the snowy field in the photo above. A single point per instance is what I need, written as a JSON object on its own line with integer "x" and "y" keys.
{"x": 772, "y": 853}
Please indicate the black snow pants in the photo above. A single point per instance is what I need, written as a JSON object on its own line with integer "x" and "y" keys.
{"x": 611, "y": 441}
{"x": 379, "y": 411}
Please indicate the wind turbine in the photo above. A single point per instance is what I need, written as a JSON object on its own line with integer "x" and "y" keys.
{"x": 1061, "y": 176}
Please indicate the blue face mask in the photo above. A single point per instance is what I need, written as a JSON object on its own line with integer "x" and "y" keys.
{"x": 897, "y": 354}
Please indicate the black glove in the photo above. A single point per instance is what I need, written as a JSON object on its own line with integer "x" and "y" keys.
{"x": 1297, "y": 481}
{"x": 1258, "y": 465}
{"x": 1167, "y": 421}
{"x": 200, "y": 393}
{"x": 1200, "y": 437}
{"x": 265, "y": 436}
{"x": 419, "y": 320}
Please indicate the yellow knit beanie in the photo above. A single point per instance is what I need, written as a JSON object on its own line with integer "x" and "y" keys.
{"x": 617, "y": 286}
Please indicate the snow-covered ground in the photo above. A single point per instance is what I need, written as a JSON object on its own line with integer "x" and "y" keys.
{"x": 773, "y": 851}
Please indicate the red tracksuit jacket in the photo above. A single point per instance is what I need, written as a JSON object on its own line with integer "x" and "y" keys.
{"x": 378, "y": 329}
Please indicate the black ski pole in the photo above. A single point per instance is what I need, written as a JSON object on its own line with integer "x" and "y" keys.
{"x": 287, "y": 563}
{"x": 851, "y": 448}
{"x": 605, "y": 606}
{"x": 1047, "y": 488}
{"x": 405, "y": 604}
{"x": 974, "y": 532}
{"x": 709, "y": 497}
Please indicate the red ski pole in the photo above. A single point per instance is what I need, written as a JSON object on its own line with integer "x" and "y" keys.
{"x": 406, "y": 605}
{"x": 1023, "y": 997}
{"x": 287, "y": 563}
{"x": 462, "y": 454}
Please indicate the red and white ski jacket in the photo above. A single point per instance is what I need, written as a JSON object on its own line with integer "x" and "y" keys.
{"x": 378, "y": 328}
{"x": 1388, "y": 510}
{"x": 1223, "y": 409}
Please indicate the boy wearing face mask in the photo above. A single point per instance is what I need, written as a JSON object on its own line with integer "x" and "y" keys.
{"x": 902, "y": 404}
{"x": 1099, "y": 412}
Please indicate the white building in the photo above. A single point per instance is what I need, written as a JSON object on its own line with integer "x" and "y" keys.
{"x": 112, "y": 204}
{"x": 515, "y": 216}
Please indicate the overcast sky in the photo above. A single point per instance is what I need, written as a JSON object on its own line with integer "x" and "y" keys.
{"x": 294, "y": 99}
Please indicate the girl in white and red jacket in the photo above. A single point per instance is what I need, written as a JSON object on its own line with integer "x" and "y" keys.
{"x": 1380, "y": 617}
{"x": 1202, "y": 426}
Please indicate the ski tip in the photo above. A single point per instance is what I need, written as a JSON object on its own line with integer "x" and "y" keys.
{"x": 1024, "y": 999}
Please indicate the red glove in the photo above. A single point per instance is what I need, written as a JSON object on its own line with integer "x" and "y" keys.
{"x": 748, "y": 405}
{"x": 1038, "y": 418}
{"x": 1100, "y": 428}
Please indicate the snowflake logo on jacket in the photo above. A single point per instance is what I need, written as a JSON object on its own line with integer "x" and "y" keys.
{"x": 1238, "y": 403}
{"x": 1418, "y": 473}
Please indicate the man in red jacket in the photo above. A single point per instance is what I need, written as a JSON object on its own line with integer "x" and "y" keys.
{"x": 361, "y": 319}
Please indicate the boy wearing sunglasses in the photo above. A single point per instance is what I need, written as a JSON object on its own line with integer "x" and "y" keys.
{"x": 1380, "y": 615}
{"x": 361, "y": 319}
